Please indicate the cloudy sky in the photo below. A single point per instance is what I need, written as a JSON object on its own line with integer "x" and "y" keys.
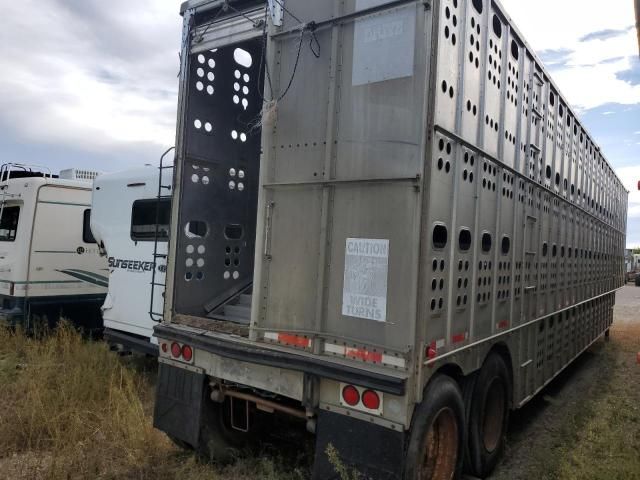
{"x": 93, "y": 83}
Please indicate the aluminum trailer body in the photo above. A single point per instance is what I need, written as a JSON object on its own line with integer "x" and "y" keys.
{"x": 411, "y": 234}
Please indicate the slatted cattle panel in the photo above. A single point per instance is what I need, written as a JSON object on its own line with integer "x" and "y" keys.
{"x": 527, "y": 217}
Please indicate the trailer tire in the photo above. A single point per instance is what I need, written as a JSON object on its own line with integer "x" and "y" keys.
{"x": 218, "y": 442}
{"x": 436, "y": 442}
{"x": 488, "y": 416}
{"x": 180, "y": 443}
{"x": 468, "y": 385}
{"x": 637, "y": 279}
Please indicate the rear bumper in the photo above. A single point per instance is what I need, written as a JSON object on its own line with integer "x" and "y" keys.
{"x": 12, "y": 311}
{"x": 309, "y": 364}
{"x": 132, "y": 342}
{"x": 83, "y": 310}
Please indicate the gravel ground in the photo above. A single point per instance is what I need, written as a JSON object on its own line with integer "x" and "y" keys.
{"x": 551, "y": 436}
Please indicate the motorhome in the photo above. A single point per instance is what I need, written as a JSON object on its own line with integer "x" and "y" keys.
{"x": 126, "y": 217}
{"x": 49, "y": 262}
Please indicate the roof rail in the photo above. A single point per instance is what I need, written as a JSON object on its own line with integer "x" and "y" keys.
{"x": 20, "y": 170}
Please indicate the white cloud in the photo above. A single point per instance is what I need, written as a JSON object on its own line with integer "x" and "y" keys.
{"x": 630, "y": 177}
{"x": 585, "y": 81}
{"x": 89, "y": 75}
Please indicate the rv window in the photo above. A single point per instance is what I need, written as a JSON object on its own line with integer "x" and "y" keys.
{"x": 9, "y": 223}
{"x": 87, "y": 235}
{"x": 143, "y": 219}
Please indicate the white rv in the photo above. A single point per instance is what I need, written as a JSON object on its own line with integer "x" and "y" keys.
{"x": 125, "y": 209}
{"x": 49, "y": 262}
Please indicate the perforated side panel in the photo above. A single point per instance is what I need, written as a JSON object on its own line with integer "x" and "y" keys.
{"x": 216, "y": 235}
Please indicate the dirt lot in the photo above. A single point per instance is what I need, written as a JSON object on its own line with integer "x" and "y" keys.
{"x": 73, "y": 410}
{"x": 585, "y": 424}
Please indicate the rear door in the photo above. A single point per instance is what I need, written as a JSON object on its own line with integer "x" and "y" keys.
{"x": 341, "y": 199}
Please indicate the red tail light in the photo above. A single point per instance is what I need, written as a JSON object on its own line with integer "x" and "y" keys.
{"x": 164, "y": 347}
{"x": 350, "y": 395}
{"x": 175, "y": 350}
{"x": 371, "y": 400}
{"x": 187, "y": 353}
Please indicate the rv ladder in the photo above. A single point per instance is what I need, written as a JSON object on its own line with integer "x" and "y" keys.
{"x": 158, "y": 316}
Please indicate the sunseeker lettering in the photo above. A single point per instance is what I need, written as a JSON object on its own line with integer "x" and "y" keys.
{"x": 131, "y": 265}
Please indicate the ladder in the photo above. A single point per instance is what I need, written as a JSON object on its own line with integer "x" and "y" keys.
{"x": 155, "y": 284}
{"x": 26, "y": 170}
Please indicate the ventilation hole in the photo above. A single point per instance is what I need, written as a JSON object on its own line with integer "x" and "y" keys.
{"x": 233, "y": 232}
{"x": 201, "y": 58}
{"x": 196, "y": 229}
{"x": 242, "y": 57}
{"x": 212, "y": 63}
{"x": 197, "y": 123}
{"x": 210, "y": 76}
{"x": 486, "y": 242}
{"x": 477, "y": 4}
{"x": 548, "y": 172}
{"x": 199, "y": 86}
{"x": 464, "y": 240}
{"x": 497, "y": 26}
{"x": 439, "y": 236}
{"x": 200, "y": 72}
{"x": 506, "y": 245}
{"x": 515, "y": 51}
{"x": 209, "y": 89}
{"x": 545, "y": 249}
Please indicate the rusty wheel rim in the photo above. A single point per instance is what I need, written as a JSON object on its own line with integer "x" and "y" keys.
{"x": 441, "y": 447}
{"x": 494, "y": 407}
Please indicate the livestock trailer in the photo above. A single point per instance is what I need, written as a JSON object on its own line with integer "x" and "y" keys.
{"x": 387, "y": 223}
{"x": 49, "y": 262}
{"x": 126, "y": 218}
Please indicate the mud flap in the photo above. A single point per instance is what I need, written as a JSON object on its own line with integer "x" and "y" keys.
{"x": 178, "y": 408}
{"x": 374, "y": 452}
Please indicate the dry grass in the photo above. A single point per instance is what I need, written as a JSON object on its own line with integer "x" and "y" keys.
{"x": 71, "y": 409}
{"x": 607, "y": 447}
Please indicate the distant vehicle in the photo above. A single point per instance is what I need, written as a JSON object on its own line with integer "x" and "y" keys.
{"x": 49, "y": 262}
{"x": 632, "y": 265}
{"x": 125, "y": 213}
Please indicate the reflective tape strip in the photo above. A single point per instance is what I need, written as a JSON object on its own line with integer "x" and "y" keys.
{"x": 288, "y": 339}
{"x": 365, "y": 355}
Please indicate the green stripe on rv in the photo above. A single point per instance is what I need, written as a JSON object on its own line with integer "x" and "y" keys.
{"x": 39, "y": 282}
{"x": 65, "y": 203}
{"x": 55, "y": 251}
{"x": 87, "y": 277}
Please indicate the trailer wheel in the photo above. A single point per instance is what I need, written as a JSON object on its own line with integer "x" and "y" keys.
{"x": 488, "y": 416}
{"x": 637, "y": 279}
{"x": 437, "y": 435}
{"x": 218, "y": 441}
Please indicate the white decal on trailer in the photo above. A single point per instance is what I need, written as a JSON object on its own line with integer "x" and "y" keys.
{"x": 366, "y": 266}
{"x": 383, "y": 44}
